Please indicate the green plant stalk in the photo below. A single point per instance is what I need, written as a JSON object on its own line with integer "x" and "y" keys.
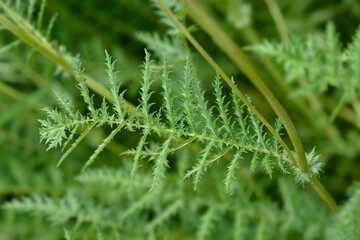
{"x": 33, "y": 38}
{"x": 259, "y": 83}
{"x": 279, "y": 21}
{"x": 324, "y": 194}
{"x": 251, "y": 36}
{"x": 244, "y": 64}
{"x": 281, "y": 89}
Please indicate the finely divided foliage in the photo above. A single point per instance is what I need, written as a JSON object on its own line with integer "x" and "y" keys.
{"x": 319, "y": 63}
{"x": 170, "y": 41}
{"x": 180, "y": 124}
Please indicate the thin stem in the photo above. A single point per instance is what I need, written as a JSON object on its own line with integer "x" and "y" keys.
{"x": 319, "y": 188}
{"x": 279, "y": 21}
{"x": 240, "y": 59}
{"x": 182, "y": 133}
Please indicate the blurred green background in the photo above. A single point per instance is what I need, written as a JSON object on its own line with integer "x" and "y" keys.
{"x": 125, "y": 28}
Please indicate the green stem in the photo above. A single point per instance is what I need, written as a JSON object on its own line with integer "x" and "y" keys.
{"x": 240, "y": 59}
{"x": 279, "y": 21}
{"x": 166, "y": 131}
{"x": 244, "y": 64}
{"x": 23, "y": 30}
{"x": 277, "y": 80}
{"x": 325, "y": 196}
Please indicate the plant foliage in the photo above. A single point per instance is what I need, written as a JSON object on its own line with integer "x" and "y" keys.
{"x": 181, "y": 119}
{"x": 173, "y": 151}
{"x": 319, "y": 63}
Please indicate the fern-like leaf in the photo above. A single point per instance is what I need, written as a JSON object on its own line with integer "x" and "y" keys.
{"x": 220, "y": 135}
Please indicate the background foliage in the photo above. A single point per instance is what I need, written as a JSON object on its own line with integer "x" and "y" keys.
{"x": 310, "y": 61}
